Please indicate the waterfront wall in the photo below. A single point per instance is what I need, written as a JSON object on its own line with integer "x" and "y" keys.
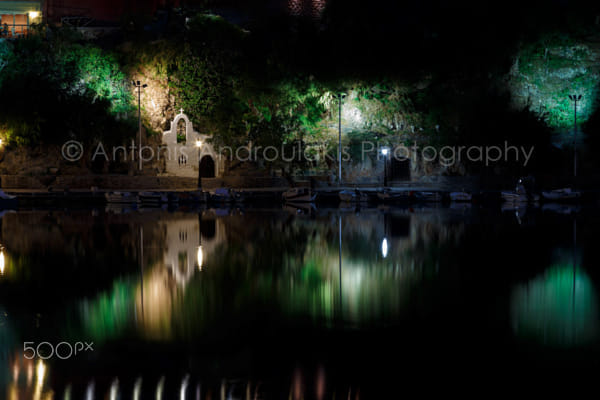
{"x": 121, "y": 182}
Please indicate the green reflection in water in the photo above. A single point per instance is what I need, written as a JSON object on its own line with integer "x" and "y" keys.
{"x": 558, "y": 308}
{"x": 108, "y": 315}
{"x": 288, "y": 271}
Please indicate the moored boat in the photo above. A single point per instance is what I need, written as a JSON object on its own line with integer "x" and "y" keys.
{"x": 221, "y": 195}
{"x": 299, "y": 195}
{"x": 515, "y": 197}
{"x": 520, "y": 194}
{"x": 152, "y": 198}
{"x": 389, "y": 196}
{"x": 428, "y": 196}
{"x": 353, "y": 196}
{"x": 565, "y": 194}
{"x": 226, "y": 195}
{"x": 120, "y": 197}
{"x": 460, "y": 196}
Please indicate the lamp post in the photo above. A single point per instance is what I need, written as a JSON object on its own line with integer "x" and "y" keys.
{"x": 385, "y": 151}
{"x": 340, "y": 97}
{"x": 575, "y": 98}
{"x": 139, "y": 86}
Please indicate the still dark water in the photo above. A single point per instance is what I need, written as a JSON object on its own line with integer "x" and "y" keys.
{"x": 281, "y": 303}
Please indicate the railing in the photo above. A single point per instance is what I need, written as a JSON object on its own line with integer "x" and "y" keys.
{"x": 14, "y": 31}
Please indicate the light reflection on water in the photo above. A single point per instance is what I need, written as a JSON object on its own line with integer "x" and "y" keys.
{"x": 175, "y": 277}
{"x": 558, "y": 308}
{"x": 290, "y": 266}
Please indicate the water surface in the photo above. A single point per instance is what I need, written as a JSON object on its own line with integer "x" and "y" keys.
{"x": 271, "y": 303}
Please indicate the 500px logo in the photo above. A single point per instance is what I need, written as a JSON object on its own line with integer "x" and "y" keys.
{"x": 62, "y": 350}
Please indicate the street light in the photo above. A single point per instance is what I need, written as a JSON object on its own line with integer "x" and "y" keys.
{"x": 139, "y": 87}
{"x": 575, "y": 98}
{"x": 385, "y": 151}
{"x": 340, "y": 97}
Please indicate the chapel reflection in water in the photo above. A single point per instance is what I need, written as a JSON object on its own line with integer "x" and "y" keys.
{"x": 289, "y": 265}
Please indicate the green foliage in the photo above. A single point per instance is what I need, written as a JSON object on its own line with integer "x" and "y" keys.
{"x": 6, "y": 53}
{"x": 552, "y": 68}
{"x": 56, "y": 89}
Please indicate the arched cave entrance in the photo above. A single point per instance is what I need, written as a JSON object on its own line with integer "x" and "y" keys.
{"x": 206, "y": 169}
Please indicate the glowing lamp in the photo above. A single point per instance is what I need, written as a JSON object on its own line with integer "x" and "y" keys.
{"x": 198, "y": 143}
{"x": 384, "y": 248}
{"x": 385, "y": 151}
{"x": 200, "y": 257}
{"x": 33, "y": 14}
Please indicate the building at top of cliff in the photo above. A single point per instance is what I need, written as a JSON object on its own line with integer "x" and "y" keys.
{"x": 101, "y": 11}
{"x": 17, "y": 16}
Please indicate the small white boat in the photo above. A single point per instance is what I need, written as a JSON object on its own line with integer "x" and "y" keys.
{"x": 460, "y": 196}
{"x": 152, "y": 198}
{"x": 562, "y": 195}
{"x": 299, "y": 195}
{"x": 120, "y": 197}
{"x": 428, "y": 196}
{"x": 353, "y": 196}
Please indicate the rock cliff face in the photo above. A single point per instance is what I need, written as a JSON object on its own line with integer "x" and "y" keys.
{"x": 158, "y": 104}
{"x": 545, "y": 73}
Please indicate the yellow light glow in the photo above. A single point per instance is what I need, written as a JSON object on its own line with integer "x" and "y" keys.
{"x": 33, "y": 14}
{"x": 160, "y": 388}
{"x": 29, "y": 373}
{"x": 1, "y": 262}
{"x": 198, "y": 143}
{"x": 15, "y": 372}
{"x": 40, "y": 372}
{"x": 200, "y": 257}
{"x": 137, "y": 389}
